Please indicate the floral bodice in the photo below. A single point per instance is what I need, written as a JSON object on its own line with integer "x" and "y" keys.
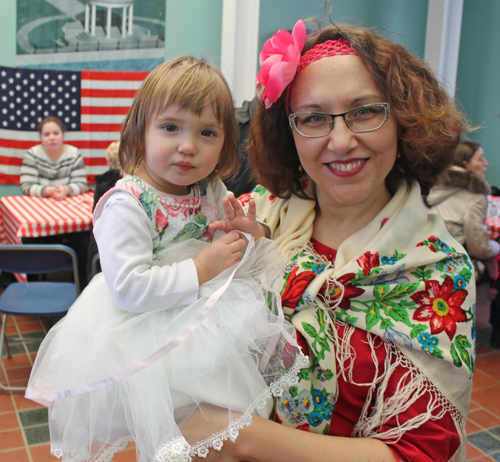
{"x": 174, "y": 219}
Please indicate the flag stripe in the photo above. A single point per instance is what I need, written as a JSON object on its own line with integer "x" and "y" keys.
{"x": 112, "y": 75}
{"x": 101, "y": 110}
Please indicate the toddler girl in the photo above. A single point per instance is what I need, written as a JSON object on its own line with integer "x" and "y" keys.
{"x": 180, "y": 339}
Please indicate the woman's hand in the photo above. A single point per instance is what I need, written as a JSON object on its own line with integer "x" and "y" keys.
{"x": 237, "y": 220}
{"x": 219, "y": 255}
{"x": 58, "y": 192}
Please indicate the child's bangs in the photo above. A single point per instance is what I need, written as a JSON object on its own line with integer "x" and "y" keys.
{"x": 197, "y": 88}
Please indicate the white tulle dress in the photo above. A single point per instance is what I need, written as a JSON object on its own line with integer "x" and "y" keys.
{"x": 145, "y": 355}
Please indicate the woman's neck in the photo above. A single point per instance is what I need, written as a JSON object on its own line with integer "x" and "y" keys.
{"x": 335, "y": 223}
{"x": 54, "y": 155}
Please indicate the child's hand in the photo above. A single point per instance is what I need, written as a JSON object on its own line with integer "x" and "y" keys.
{"x": 219, "y": 255}
{"x": 237, "y": 220}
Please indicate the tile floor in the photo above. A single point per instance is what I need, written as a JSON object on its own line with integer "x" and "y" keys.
{"x": 24, "y": 432}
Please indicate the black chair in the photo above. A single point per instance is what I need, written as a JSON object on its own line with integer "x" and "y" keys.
{"x": 96, "y": 265}
{"x": 40, "y": 298}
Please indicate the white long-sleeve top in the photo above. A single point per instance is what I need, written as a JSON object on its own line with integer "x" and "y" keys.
{"x": 127, "y": 239}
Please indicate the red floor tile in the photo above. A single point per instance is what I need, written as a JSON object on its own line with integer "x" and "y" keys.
{"x": 471, "y": 427}
{"x": 23, "y": 404}
{"x": 489, "y": 398}
{"x": 8, "y": 421}
{"x": 473, "y": 452}
{"x": 11, "y": 439}
{"x": 483, "y": 349}
{"x": 32, "y": 325}
{"x": 489, "y": 365}
{"x": 473, "y": 406}
{"x": 11, "y": 328}
{"x": 17, "y": 455}
{"x": 6, "y": 403}
{"x": 42, "y": 453}
{"x": 484, "y": 418}
{"x": 17, "y": 361}
{"x": 481, "y": 380}
{"x": 16, "y": 374}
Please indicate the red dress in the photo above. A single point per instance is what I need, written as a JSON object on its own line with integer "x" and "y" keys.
{"x": 434, "y": 441}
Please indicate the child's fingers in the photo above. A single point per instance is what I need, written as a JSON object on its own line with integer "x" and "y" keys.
{"x": 232, "y": 207}
{"x": 252, "y": 210}
{"x": 220, "y": 225}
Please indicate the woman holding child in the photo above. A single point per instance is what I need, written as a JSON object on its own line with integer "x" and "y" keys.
{"x": 351, "y": 127}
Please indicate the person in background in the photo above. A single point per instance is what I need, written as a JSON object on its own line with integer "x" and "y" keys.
{"x": 242, "y": 182}
{"x": 103, "y": 183}
{"x": 350, "y": 127}
{"x": 56, "y": 170}
{"x": 52, "y": 168}
{"x": 460, "y": 197}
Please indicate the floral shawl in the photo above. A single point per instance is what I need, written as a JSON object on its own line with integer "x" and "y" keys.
{"x": 403, "y": 278}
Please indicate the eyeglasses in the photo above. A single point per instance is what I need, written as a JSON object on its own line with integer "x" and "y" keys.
{"x": 361, "y": 119}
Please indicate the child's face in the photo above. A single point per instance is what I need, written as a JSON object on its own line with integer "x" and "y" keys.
{"x": 181, "y": 149}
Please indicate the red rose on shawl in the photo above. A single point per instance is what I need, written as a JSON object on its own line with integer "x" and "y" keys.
{"x": 368, "y": 261}
{"x": 245, "y": 198}
{"x": 304, "y": 427}
{"x": 295, "y": 287}
{"x": 440, "y": 306}
{"x": 384, "y": 221}
{"x": 350, "y": 291}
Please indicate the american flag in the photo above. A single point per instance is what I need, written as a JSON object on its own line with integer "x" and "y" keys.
{"x": 91, "y": 104}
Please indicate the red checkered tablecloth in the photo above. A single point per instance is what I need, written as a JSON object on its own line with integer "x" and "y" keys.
{"x": 26, "y": 216}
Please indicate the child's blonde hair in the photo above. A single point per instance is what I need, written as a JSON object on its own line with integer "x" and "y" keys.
{"x": 192, "y": 84}
{"x": 112, "y": 155}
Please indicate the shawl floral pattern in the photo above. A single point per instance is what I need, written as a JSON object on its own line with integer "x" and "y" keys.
{"x": 403, "y": 278}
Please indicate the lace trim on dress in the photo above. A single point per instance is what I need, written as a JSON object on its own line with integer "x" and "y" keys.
{"x": 179, "y": 450}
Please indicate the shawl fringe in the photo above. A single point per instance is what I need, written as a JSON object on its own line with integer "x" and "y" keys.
{"x": 412, "y": 385}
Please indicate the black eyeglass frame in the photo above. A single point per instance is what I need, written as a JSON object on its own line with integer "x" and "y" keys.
{"x": 386, "y": 106}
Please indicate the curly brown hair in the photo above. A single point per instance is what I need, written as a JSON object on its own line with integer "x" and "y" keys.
{"x": 192, "y": 84}
{"x": 429, "y": 123}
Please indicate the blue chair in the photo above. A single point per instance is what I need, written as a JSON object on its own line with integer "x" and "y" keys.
{"x": 41, "y": 298}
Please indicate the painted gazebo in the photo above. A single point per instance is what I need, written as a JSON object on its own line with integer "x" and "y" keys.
{"x": 127, "y": 8}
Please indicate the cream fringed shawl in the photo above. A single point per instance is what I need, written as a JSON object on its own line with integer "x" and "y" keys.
{"x": 402, "y": 278}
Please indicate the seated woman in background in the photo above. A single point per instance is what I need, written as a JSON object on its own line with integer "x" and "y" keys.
{"x": 460, "y": 198}
{"x": 52, "y": 168}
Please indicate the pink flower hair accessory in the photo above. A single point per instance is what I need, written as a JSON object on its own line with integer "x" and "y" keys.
{"x": 279, "y": 60}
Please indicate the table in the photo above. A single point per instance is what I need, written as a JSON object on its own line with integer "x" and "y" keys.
{"x": 26, "y": 216}
{"x": 493, "y": 216}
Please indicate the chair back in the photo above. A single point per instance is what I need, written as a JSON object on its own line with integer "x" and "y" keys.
{"x": 38, "y": 259}
{"x": 96, "y": 265}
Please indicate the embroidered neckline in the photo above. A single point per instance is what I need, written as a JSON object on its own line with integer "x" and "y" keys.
{"x": 173, "y": 202}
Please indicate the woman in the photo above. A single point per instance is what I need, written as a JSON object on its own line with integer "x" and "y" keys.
{"x": 460, "y": 197}
{"x": 389, "y": 332}
{"x": 52, "y": 168}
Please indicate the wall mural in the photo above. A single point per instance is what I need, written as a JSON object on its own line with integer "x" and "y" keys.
{"x": 90, "y": 34}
